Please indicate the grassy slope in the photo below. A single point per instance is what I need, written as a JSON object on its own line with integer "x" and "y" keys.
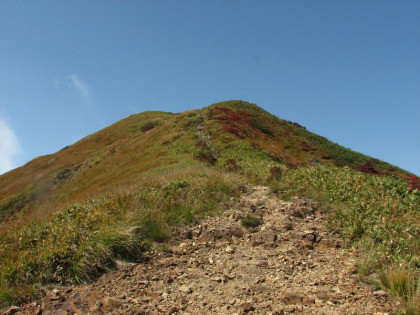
{"x": 145, "y": 174}
{"x": 289, "y": 142}
{"x": 80, "y": 170}
{"x": 119, "y": 154}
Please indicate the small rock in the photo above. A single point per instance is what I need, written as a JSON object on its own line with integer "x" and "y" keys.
{"x": 187, "y": 235}
{"x": 309, "y": 237}
{"x": 236, "y": 231}
{"x": 183, "y": 246}
{"x": 267, "y": 238}
{"x": 154, "y": 294}
{"x": 185, "y": 289}
{"x": 292, "y": 298}
{"x": 255, "y": 243}
{"x": 54, "y": 295}
{"x": 260, "y": 280}
{"x": 13, "y": 309}
{"x": 247, "y": 307}
{"x": 218, "y": 279}
{"x": 120, "y": 264}
{"x": 323, "y": 296}
{"x": 380, "y": 293}
{"x": 109, "y": 303}
{"x": 229, "y": 250}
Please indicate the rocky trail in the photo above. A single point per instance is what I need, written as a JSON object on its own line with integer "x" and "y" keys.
{"x": 290, "y": 263}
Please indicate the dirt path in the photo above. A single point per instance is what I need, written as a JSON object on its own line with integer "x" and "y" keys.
{"x": 291, "y": 263}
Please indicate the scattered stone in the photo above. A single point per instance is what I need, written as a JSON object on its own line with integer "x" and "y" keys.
{"x": 247, "y": 307}
{"x": 287, "y": 224}
{"x": 292, "y": 298}
{"x": 109, "y": 303}
{"x": 187, "y": 234}
{"x": 267, "y": 238}
{"x": 290, "y": 264}
{"x": 229, "y": 250}
{"x": 323, "y": 296}
{"x": 54, "y": 295}
{"x": 12, "y": 310}
{"x": 380, "y": 293}
{"x": 185, "y": 289}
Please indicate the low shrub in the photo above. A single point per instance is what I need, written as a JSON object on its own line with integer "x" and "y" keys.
{"x": 250, "y": 221}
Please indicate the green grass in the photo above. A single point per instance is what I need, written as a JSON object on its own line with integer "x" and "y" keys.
{"x": 13, "y": 204}
{"x": 377, "y": 214}
{"x": 250, "y": 221}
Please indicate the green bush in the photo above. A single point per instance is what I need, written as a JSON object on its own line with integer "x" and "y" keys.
{"x": 250, "y": 221}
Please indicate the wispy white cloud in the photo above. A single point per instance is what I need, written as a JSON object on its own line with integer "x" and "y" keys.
{"x": 9, "y": 147}
{"x": 76, "y": 82}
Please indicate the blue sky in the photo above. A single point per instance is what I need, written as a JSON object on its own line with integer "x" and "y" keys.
{"x": 347, "y": 70}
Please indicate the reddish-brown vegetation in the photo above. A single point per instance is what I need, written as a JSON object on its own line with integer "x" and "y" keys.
{"x": 238, "y": 123}
{"x": 368, "y": 168}
{"x": 148, "y": 126}
{"x": 414, "y": 183}
{"x": 232, "y": 122}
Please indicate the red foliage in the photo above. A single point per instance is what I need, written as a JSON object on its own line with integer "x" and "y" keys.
{"x": 223, "y": 110}
{"x": 232, "y": 122}
{"x": 414, "y": 183}
{"x": 368, "y": 168}
{"x": 200, "y": 144}
{"x": 233, "y": 129}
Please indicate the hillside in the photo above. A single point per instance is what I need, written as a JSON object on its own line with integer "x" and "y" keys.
{"x": 68, "y": 217}
{"x": 232, "y": 135}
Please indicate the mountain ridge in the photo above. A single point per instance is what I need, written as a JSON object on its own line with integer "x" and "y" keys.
{"x": 228, "y": 124}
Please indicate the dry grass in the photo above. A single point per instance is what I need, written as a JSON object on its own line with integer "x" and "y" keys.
{"x": 83, "y": 240}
